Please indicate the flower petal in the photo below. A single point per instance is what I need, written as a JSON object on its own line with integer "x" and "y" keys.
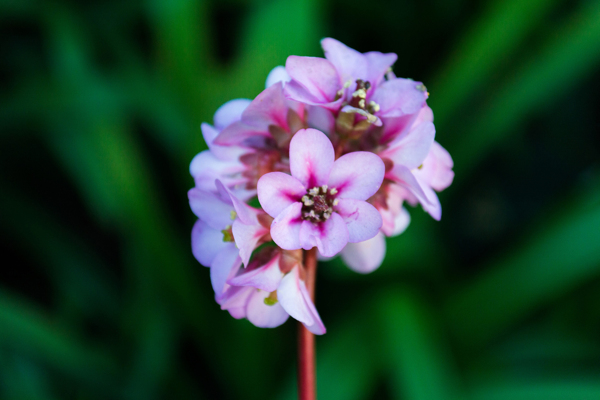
{"x": 379, "y": 64}
{"x": 238, "y": 132}
{"x": 205, "y": 168}
{"x": 206, "y": 243}
{"x": 350, "y": 64}
{"x": 365, "y": 257}
{"x": 317, "y": 76}
{"x": 403, "y": 177}
{"x": 411, "y": 149}
{"x": 362, "y": 219}
{"x": 311, "y": 157}
{"x": 277, "y": 74}
{"x": 246, "y": 238}
{"x": 285, "y": 229}
{"x": 277, "y": 190}
{"x": 235, "y": 300}
{"x": 224, "y": 266}
{"x": 399, "y": 97}
{"x": 268, "y": 108}
{"x": 210, "y": 208}
{"x": 243, "y": 211}
{"x": 266, "y": 277}
{"x": 401, "y": 222}
{"x": 230, "y": 112}
{"x": 432, "y": 206}
{"x": 295, "y": 300}
{"x": 357, "y": 175}
{"x": 263, "y": 315}
{"x": 329, "y": 237}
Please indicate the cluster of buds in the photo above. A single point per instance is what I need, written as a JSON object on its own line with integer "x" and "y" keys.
{"x": 332, "y": 149}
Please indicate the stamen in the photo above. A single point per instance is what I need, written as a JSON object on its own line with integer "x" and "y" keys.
{"x": 324, "y": 188}
{"x": 232, "y": 214}
{"x": 336, "y": 202}
{"x": 333, "y": 191}
{"x": 374, "y": 106}
{"x": 362, "y": 93}
{"x": 348, "y": 83}
{"x": 308, "y": 202}
{"x": 361, "y": 103}
{"x": 314, "y": 191}
{"x": 271, "y": 299}
{"x": 326, "y": 215}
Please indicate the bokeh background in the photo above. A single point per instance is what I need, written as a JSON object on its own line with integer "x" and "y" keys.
{"x": 100, "y": 111}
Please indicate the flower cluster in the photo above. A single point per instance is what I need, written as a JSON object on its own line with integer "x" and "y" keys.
{"x": 331, "y": 149}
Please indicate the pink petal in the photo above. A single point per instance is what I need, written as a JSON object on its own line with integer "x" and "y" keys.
{"x": 238, "y": 132}
{"x": 329, "y": 237}
{"x": 432, "y": 206}
{"x": 295, "y": 91}
{"x": 277, "y": 190}
{"x": 311, "y": 157}
{"x": 285, "y": 229}
{"x": 403, "y": 177}
{"x": 399, "y": 97}
{"x": 224, "y": 266}
{"x": 205, "y": 168}
{"x": 357, "y": 175}
{"x": 401, "y": 222}
{"x": 266, "y": 277}
{"x": 362, "y": 219}
{"x": 317, "y": 76}
{"x": 262, "y": 315}
{"x": 224, "y": 153}
{"x": 350, "y": 64}
{"x": 230, "y": 112}
{"x": 365, "y": 257}
{"x": 277, "y": 74}
{"x": 235, "y": 300}
{"x": 206, "y": 243}
{"x": 295, "y": 300}
{"x": 246, "y": 238}
{"x": 437, "y": 168}
{"x": 243, "y": 211}
{"x": 411, "y": 149}
{"x": 321, "y": 119}
{"x": 379, "y": 64}
{"x": 268, "y": 108}
{"x": 210, "y": 208}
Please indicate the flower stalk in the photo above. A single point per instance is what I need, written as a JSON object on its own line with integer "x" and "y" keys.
{"x": 306, "y": 339}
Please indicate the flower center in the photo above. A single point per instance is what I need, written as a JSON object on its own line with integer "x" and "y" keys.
{"x": 318, "y": 203}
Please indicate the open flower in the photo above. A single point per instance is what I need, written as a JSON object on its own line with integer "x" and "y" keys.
{"x": 322, "y": 203}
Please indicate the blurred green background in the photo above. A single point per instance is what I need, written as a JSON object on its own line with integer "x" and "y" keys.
{"x": 100, "y": 111}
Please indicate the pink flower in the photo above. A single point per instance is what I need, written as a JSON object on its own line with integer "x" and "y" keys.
{"x": 322, "y": 203}
{"x": 226, "y": 233}
{"x": 270, "y": 289}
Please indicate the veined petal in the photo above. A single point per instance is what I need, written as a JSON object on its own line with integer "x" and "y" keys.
{"x": 268, "y": 108}
{"x": 365, "y": 257}
{"x": 246, "y": 238}
{"x": 411, "y": 149}
{"x": 207, "y": 243}
{"x": 295, "y": 300}
{"x": 277, "y": 74}
{"x": 235, "y": 300}
{"x": 362, "y": 219}
{"x": 316, "y": 75}
{"x": 350, "y": 64}
{"x": 285, "y": 229}
{"x": 230, "y": 112}
{"x": 277, "y": 190}
{"x": 224, "y": 266}
{"x": 311, "y": 157}
{"x": 263, "y": 315}
{"x": 357, "y": 175}
{"x": 329, "y": 236}
{"x": 210, "y": 208}
{"x": 403, "y": 177}
{"x": 399, "y": 97}
{"x": 266, "y": 277}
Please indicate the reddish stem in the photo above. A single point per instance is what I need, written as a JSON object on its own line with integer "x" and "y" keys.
{"x": 306, "y": 340}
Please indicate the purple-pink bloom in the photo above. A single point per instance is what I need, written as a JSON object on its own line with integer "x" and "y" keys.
{"x": 322, "y": 203}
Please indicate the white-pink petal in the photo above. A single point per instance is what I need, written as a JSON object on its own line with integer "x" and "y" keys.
{"x": 263, "y": 315}
{"x": 295, "y": 300}
{"x": 357, "y": 175}
{"x": 329, "y": 236}
{"x": 411, "y": 150}
{"x": 277, "y": 190}
{"x": 315, "y": 75}
{"x": 230, "y": 112}
{"x": 350, "y": 64}
{"x": 311, "y": 157}
{"x": 399, "y": 97}
{"x": 266, "y": 277}
{"x": 224, "y": 266}
{"x": 365, "y": 257}
{"x": 404, "y": 177}
{"x": 277, "y": 74}
{"x": 362, "y": 219}
{"x": 207, "y": 243}
{"x": 210, "y": 208}
{"x": 285, "y": 229}
{"x": 246, "y": 238}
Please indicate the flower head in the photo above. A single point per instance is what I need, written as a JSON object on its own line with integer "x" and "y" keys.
{"x": 322, "y": 203}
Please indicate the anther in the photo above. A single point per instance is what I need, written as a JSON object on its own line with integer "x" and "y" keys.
{"x": 374, "y": 106}
{"x": 361, "y": 103}
{"x": 336, "y": 202}
{"x": 314, "y": 191}
{"x": 347, "y": 84}
{"x": 333, "y": 191}
{"x": 324, "y": 189}
{"x": 362, "y": 93}
{"x": 232, "y": 215}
